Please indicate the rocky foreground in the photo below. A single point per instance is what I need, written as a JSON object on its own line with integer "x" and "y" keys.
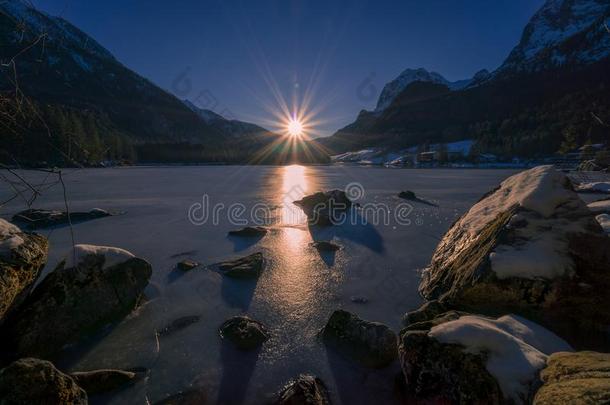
{"x": 512, "y": 290}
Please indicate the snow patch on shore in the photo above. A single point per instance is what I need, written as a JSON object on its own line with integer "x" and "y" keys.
{"x": 597, "y": 187}
{"x": 9, "y": 238}
{"x": 600, "y": 207}
{"x": 516, "y": 349}
{"x": 604, "y": 221}
{"x": 112, "y": 255}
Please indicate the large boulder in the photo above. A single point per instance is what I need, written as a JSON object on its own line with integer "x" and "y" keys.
{"x": 325, "y": 208}
{"x": 371, "y": 344}
{"x": 304, "y": 390}
{"x": 530, "y": 247}
{"x": 22, "y": 257}
{"x": 456, "y": 358}
{"x": 95, "y": 286}
{"x": 38, "y": 382}
{"x": 575, "y": 378}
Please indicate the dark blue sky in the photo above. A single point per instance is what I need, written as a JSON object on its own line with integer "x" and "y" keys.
{"x": 235, "y": 53}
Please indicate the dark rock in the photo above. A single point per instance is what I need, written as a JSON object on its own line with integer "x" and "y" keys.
{"x": 410, "y": 195}
{"x": 246, "y": 267}
{"x": 407, "y": 195}
{"x": 325, "y": 208}
{"x": 445, "y": 374}
{"x": 426, "y": 312}
{"x": 556, "y": 283}
{"x": 74, "y": 302}
{"x": 575, "y": 378}
{"x": 371, "y": 344}
{"x": 325, "y": 246}
{"x": 304, "y": 390}
{"x": 243, "y": 332}
{"x": 34, "y": 381}
{"x": 37, "y": 219}
{"x": 187, "y": 397}
{"x": 99, "y": 381}
{"x": 186, "y": 265}
{"x": 187, "y": 253}
{"x": 22, "y": 257}
{"x": 250, "y": 232}
{"x": 429, "y": 323}
{"x": 179, "y": 324}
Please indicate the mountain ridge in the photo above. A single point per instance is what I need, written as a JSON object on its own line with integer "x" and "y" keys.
{"x": 70, "y": 102}
{"x": 480, "y": 110}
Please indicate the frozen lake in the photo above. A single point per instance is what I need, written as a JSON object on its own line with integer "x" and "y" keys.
{"x": 295, "y": 295}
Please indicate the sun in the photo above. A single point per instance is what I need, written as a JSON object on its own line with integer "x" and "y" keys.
{"x": 295, "y": 128}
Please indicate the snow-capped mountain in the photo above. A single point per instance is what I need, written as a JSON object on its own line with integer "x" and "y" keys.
{"x": 54, "y": 29}
{"x": 59, "y": 65}
{"x": 86, "y": 107}
{"x": 395, "y": 87}
{"x": 226, "y": 126}
{"x": 552, "y": 81}
{"x": 562, "y": 32}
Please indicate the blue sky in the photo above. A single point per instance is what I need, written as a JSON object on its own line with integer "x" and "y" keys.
{"x": 240, "y": 58}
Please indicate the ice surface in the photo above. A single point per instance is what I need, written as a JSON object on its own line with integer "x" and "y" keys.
{"x": 516, "y": 348}
{"x": 293, "y": 297}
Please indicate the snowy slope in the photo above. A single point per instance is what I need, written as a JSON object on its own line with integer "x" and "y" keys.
{"x": 55, "y": 29}
{"x": 395, "y": 87}
{"x": 562, "y": 32}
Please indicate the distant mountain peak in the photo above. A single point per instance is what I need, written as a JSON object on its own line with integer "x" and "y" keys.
{"x": 562, "y": 32}
{"x": 393, "y": 89}
{"x": 56, "y": 29}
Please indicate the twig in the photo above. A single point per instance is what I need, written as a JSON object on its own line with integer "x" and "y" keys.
{"x": 63, "y": 186}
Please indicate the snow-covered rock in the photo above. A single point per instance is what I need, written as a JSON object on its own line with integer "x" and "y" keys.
{"x": 530, "y": 246}
{"x": 600, "y": 207}
{"x": 596, "y": 187}
{"x": 475, "y": 359}
{"x": 516, "y": 349}
{"x": 562, "y": 32}
{"x": 22, "y": 257}
{"x": 10, "y": 238}
{"x": 604, "y": 222}
{"x": 78, "y": 298}
{"x": 112, "y": 255}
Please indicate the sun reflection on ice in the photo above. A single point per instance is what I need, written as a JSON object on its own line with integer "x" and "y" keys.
{"x": 295, "y": 185}
{"x": 297, "y": 278}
